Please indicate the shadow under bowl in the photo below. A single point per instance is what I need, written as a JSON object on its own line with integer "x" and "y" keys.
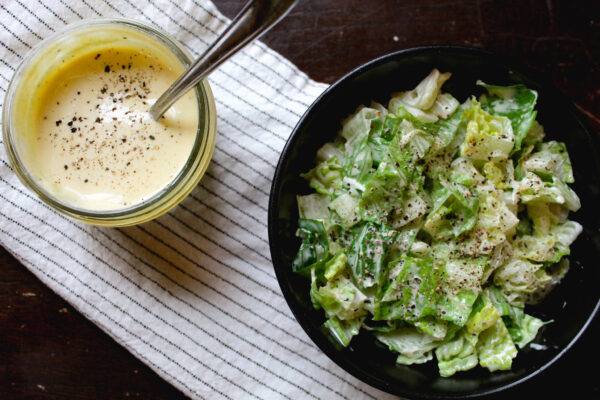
{"x": 571, "y": 305}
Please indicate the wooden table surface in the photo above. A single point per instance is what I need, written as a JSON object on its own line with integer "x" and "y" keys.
{"x": 50, "y": 351}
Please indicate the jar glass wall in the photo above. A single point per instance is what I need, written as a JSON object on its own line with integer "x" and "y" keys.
{"x": 45, "y": 58}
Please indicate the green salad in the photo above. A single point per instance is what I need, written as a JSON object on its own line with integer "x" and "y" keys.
{"x": 434, "y": 223}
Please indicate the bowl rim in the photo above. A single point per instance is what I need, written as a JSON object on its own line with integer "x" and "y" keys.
{"x": 320, "y": 341}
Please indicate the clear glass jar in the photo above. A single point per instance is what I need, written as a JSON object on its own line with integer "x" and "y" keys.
{"x": 80, "y": 36}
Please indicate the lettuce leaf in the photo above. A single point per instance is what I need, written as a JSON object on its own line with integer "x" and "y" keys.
{"x": 314, "y": 248}
{"x": 425, "y": 94}
{"x": 413, "y": 292}
{"x": 522, "y": 327}
{"x": 488, "y": 137}
{"x": 550, "y": 159}
{"x": 381, "y": 135}
{"x": 343, "y": 330}
{"x": 495, "y": 348}
{"x": 484, "y": 315}
{"x": 515, "y": 102}
{"x": 459, "y": 289}
{"x": 314, "y": 206}
{"x": 339, "y": 297}
{"x": 523, "y": 281}
{"x": 532, "y": 189}
{"x": 458, "y": 354}
{"x": 454, "y": 210}
{"x": 413, "y": 346}
{"x": 326, "y": 177}
{"x": 346, "y": 207}
{"x": 367, "y": 253}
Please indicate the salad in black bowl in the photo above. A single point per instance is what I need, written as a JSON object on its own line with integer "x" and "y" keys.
{"x": 432, "y": 219}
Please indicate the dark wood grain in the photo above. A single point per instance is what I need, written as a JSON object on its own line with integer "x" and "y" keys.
{"x": 50, "y": 351}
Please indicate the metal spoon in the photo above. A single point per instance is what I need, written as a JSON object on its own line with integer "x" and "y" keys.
{"x": 257, "y": 17}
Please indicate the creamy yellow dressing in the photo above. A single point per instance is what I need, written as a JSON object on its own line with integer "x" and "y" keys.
{"x": 90, "y": 141}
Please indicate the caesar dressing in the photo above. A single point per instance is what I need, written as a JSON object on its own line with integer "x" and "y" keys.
{"x": 93, "y": 144}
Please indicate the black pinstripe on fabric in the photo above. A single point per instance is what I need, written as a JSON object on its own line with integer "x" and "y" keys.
{"x": 246, "y": 181}
{"x": 210, "y": 175}
{"x": 34, "y": 15}
{"x": 221, "y": 231}
{"x": 12, "y": 51}
{"x": 220, "y": 214}
{"x": 68, "y": 7}
{"x": 205, "y": 253}
{"x": 250, "y": 121}
{"x": 15, "y": 36}
{"x": 22, "y": 23}
{"x": 271, "y": 163}
{"x": 241, "y": 178}
{"x": 193, "y": 196}
{"x": 216, "y": 243}
{"x": 90, "y": 7}
{"x": 8, "y": 65}
{"x": 52, "y": 12}
{"x": 234, "y": 159}
{"x": 220, "y": 148}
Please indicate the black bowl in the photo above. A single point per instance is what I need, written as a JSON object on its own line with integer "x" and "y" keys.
{"x": 571, "y": 305}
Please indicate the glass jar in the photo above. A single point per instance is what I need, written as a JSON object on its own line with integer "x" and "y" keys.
{"x": 85, "y": 36}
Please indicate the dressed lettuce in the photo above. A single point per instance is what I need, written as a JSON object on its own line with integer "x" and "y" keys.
{"x": 435, "y": 223}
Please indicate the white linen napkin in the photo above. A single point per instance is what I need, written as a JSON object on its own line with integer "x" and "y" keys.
{"x": 192, "y": 294}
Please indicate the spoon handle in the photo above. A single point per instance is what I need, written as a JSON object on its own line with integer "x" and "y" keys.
{"x": 256, "y": 17}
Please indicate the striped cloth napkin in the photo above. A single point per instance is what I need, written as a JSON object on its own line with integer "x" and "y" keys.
{"x": 192, "y": 294}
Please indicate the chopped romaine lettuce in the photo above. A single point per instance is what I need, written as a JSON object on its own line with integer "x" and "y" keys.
{"x": 325, "y": 178}
{"x": 343, "y": 330}
{"x": 514, "y": 102}
{"x": 495, "y": 348}
{"x": 488, "y": 137}
{"x": 454, "y": 210}
{"x": 412, "y": 346}
{"x": 367, "y": 253}
{"x": 435, "y": 223}
{"x": 314, "y": 248}
{"x": 458, "y": 354}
